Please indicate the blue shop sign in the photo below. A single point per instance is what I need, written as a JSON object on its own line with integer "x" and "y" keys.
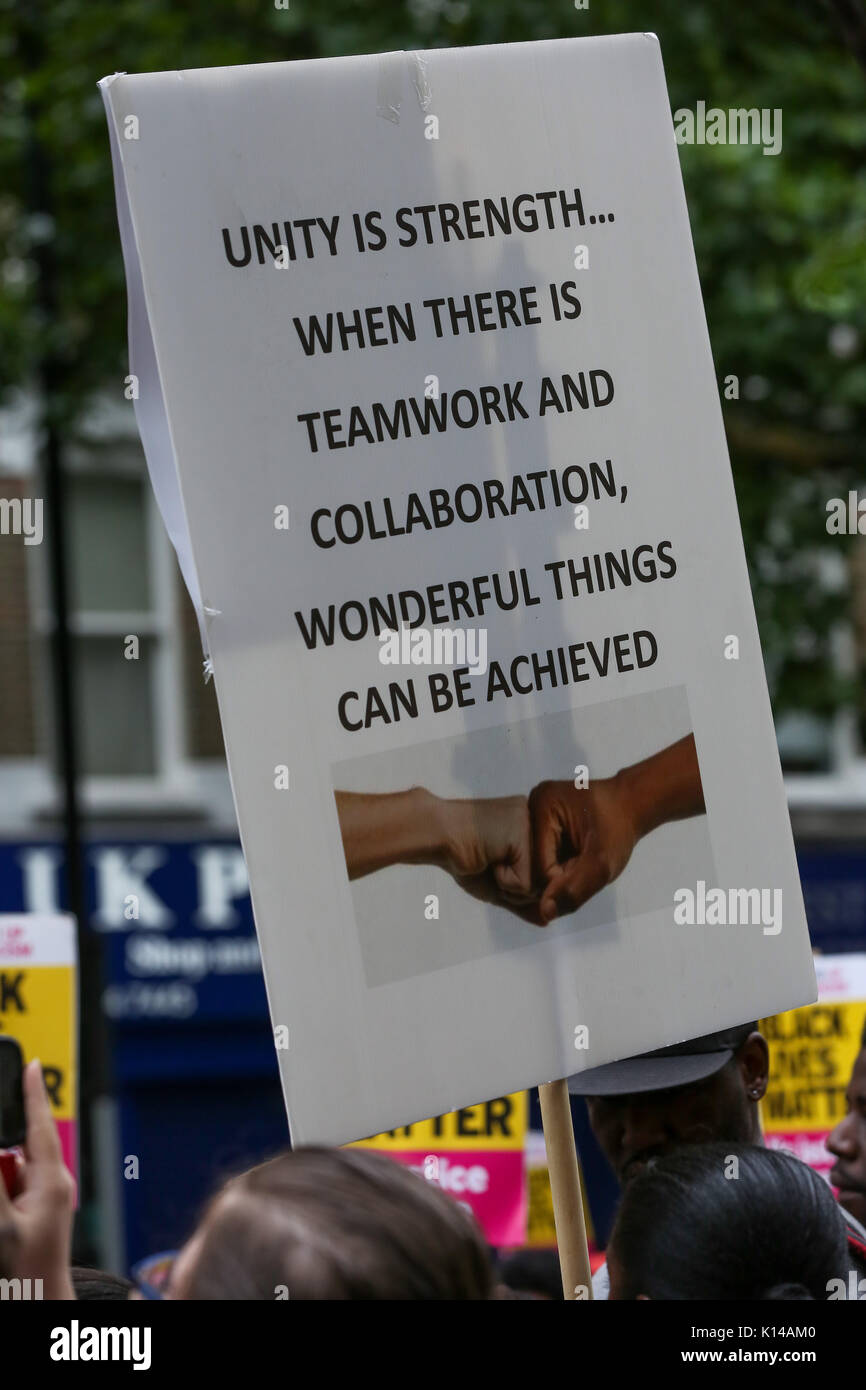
{"x": 175, "y": 918}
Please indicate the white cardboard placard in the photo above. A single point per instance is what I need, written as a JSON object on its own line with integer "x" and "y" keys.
{"x": 535, "y": 151}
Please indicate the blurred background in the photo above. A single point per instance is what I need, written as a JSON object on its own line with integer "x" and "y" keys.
{"x": 112, "y": 777}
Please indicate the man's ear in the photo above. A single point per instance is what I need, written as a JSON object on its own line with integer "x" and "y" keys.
{"x": 753, "y": 1060}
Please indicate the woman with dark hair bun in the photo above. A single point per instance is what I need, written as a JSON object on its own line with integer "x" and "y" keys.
{"x": 727, "y": 1221}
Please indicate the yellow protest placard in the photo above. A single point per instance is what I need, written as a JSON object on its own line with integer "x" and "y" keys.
{"x": 38, "y": 1007}
{"x": 477, "y": 1155}
{"x": 812, "y": 1052}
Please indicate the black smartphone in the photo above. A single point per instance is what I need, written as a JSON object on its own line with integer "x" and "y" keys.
{"x": 13, "y": 1125}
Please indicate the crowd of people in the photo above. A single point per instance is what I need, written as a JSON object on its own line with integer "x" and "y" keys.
{"x": 707, "y": 1212}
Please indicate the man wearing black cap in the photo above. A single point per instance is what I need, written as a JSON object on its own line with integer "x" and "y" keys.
{"x": 697, "y": 1091}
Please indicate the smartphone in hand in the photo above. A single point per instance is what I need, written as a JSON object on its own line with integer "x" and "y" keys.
{"x": 13, "y": 1124}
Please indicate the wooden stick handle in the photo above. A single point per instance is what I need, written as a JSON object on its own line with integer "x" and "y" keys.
{"x": 564, "y": 1173}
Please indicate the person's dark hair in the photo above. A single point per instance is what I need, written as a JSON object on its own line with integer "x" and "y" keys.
{"x": 533, "y": 1272}
{"x": 97, "y": 1285}
{"x": 337, "y": 1224}
{"x": 863, "y": 1034}
{"x": 687, "y": 1228}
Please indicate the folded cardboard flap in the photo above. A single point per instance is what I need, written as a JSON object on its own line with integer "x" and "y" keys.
{"x": 148, "y": 397}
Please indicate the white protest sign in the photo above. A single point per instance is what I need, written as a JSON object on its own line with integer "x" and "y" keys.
{"x": 422, "y": 337}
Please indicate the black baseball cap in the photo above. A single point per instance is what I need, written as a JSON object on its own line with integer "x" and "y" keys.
{"x": 664, "y": 1069}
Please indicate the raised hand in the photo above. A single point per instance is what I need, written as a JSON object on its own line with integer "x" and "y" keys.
{"x": 38, "y": 1222}
{"x": 584, "y": 837}
{"x": 486, "y": 846}
{"x": 483, "y": 843}
{"x": 582, "y": 840}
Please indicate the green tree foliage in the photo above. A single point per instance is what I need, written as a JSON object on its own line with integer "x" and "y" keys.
{"x": 780, "y": 240}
